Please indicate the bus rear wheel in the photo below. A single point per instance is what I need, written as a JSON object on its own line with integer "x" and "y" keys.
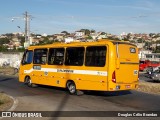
{"x": 71, "y": 87}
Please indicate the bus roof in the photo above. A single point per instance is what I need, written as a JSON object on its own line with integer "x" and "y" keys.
{"x": 99, "y": 42}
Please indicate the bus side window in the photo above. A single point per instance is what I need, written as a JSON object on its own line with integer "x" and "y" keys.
{"x": 74, "y": 56}
{"x": 40, "y": 56}
{"x": 56, "y": 56}
{"x": 27, "y": 57}
{"x": 95, "y": 56}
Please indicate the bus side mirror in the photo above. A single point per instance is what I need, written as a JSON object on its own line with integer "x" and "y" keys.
{"x": 24, "y": 62}
{"x": 117, "y": 63}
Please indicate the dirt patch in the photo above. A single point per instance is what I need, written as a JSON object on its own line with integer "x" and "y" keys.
{"x": 149, "y": 87}
{"x": 8, "y": 71}
{"x": 5, "y": 102}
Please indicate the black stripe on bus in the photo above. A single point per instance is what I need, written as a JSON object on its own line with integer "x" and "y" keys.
{"x": 128, "y": 63}
{"x": 127, "y": 43}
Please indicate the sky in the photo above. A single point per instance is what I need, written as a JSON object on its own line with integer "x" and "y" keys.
{"x": 55, "y": 16}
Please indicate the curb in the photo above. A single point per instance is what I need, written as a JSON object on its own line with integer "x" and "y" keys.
{"x": 13, "y": 107}
{"x": 15, "y": 103}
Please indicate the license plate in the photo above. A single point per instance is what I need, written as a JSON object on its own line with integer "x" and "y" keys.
{"x": 128, "y": 86}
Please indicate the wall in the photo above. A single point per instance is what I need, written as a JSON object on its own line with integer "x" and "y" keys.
{"x": 11, "y": 59}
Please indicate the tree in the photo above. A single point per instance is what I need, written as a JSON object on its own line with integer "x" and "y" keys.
{"x": 125, "y": 39}
{"x": 157, "y": 49}
{"x": 152, "y": 34}
{"x": 92, "y": 31}
{"x": 4, "y": 41}
{"x": 89, "y": 37}
{"x": 158, "y": 42}
{"x": 65, "y": 32}
{"x": 132, "y": 41}
{"x": 3, "y": 48}
{"x": 128, "y": 35}
{"x": 86, "y": 31}
{"x": 10, "y": 35}
{"x": 22, "y": 39}
{"x": 103, "y": 33}
{"x": 147, "y": 45}
{"x": 140, "y": 40}
{"x": 46, "y": 41}
{"x": 21, "y": 49}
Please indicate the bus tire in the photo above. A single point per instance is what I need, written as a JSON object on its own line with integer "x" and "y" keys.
{"x": 29, "y": 83}
{"x": 71, "y": 87}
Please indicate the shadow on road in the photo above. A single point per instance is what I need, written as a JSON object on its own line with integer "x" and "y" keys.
{"x": 108, "y": 94}
{"x": 93, "y": 93}
{"x": 153, "y": 81}
{"x": 6, "y": 79}
{"x": 59, "y": 109}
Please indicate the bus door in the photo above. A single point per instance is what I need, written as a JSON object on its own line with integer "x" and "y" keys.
{"x": 26, "y": 64}
{"x": 39, "y": 64}
{"x": 127, "y": 70}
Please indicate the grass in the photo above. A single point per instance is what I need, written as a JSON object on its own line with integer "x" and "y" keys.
{"x": 1, "y": 102}
{"x": 5, "y": 102}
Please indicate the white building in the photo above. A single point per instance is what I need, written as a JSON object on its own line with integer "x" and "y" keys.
{"x": 79, "y": 34}
{"x": 142, "y": 54}
{"x": 68, "y": 40}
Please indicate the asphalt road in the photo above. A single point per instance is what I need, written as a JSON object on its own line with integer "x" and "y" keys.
{"x": 45, "y": 98}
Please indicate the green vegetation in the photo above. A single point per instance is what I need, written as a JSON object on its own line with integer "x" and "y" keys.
{"x": 10, "y": 42}
{"x": 46, "y": 41}
{"x": 4, "y": 41}
{"x": 5, "y": 102}
{"x": 86, "y": 31}
{"x": 65, "y": 32}
{"x": 5, "y": 49}
{"x": 89, "y": 37}
{"x": 1, "y": 102}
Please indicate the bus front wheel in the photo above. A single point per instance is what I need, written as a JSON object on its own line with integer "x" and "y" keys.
{"x": 29, "y": 83}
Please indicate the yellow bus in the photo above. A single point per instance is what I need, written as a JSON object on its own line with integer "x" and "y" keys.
{"x": 104, "y": 65}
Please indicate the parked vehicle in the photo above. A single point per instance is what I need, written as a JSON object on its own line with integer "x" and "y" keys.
{"x": 155, "y": 76}
{"x": 146, "y": 65}
{"x": 151, "y": 70}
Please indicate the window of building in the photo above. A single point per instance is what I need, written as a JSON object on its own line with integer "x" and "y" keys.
{"x": 27, "y": 58}
{"x": 74, "y": 56}
{"x": 148, "y": 56}
{"x": 157, "y": 56}
{"x": 40, "y": 56}
{"x": 56, "y": 56}
{"x": 95, "y": 56}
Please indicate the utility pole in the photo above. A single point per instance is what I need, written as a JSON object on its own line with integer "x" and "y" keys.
{"x": 27, "y": 29}
{"x": 27, "y": 19}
